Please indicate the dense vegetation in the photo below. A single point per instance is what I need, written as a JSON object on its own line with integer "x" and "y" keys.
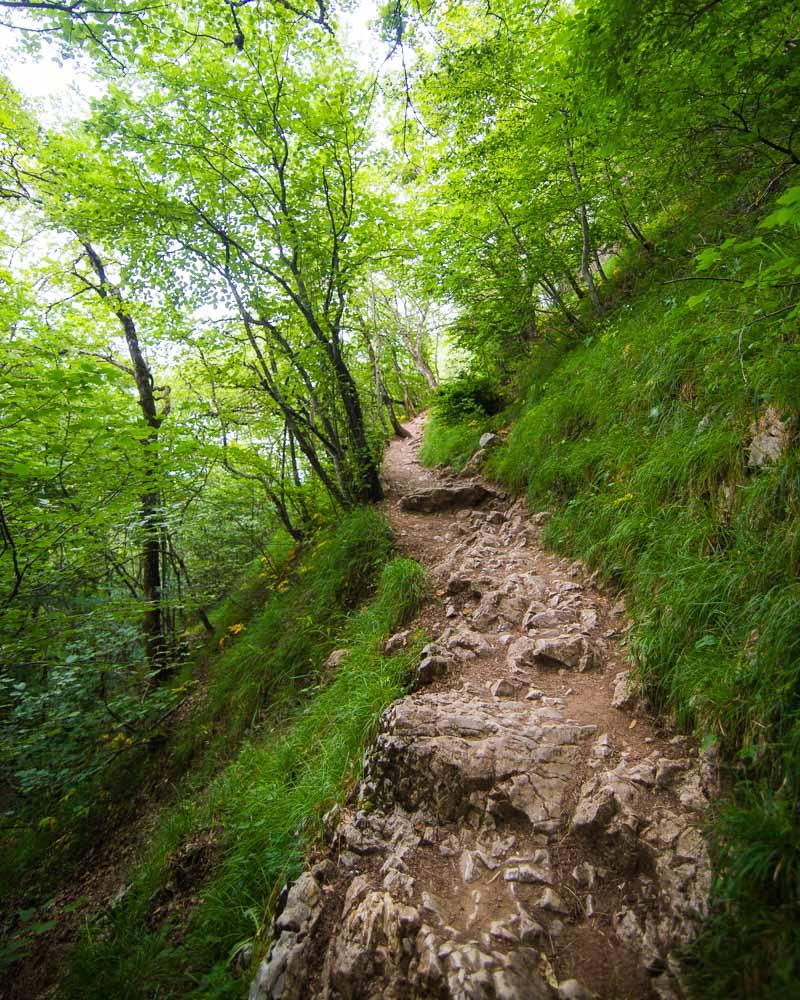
{"x": 221, "y": 290}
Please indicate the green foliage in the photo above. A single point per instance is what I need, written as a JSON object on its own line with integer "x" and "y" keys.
{"x": 461, "y": 412}
{"x": 467, "y": 396}
{"x": 331, "y": 577}
{"x": 756, "y": 895}
{"x": 54, "y": 739}
{"x": 764, "y": 265}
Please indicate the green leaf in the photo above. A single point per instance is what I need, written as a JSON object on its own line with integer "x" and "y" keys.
{"x": 695, "y": 300}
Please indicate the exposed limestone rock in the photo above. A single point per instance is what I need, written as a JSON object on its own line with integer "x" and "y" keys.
{"x": 549, "y": 618}
{"x": 489, "y": 440}
{"x": 465, "y": 643}
{"x": 520, "y": 653}
{"x": 624, "y": 694}
{"x": 528, "y": 874}
{"x": 509, "y": 602}
{"x": 335, "y": 659}
{"x": 473, "y": 466}
{"x": 449, "y": 755}
{"x": 601, "y": 800}
{"x": 602, "y": 747}
{"x": 459, "y": 584}
{"x": 429, "y": 668}
{"x": 438, "y": 498}
{"x": 575, "y": 652}
{"x": 504, "y": 688}
{"x": 769, "y": 436}
{"x": 551, "y": 901}
{"x": 281, "y": 976}
{"x": 397, "y": 642}
{"x": 668, "y": 769}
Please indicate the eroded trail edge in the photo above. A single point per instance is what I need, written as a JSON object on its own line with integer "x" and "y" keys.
{"x": 523, "y": 828}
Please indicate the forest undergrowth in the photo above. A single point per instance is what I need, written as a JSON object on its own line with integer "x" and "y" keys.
{"x": 271, "y": 743}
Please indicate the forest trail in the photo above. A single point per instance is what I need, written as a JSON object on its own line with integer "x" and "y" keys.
{"x": 523, "y": 828}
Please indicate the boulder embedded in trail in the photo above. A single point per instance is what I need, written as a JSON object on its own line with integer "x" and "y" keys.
{"x": 439, "y": 498}
{"x": 574, "y": 652}
{"x": 451, "y": 754}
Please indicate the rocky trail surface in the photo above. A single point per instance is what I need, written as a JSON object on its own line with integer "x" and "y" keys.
{"x": 523, "y": 829}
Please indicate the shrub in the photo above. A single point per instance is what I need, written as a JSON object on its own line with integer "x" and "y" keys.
{"x": 466, "y": 396}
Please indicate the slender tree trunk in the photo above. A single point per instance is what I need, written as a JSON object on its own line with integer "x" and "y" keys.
{"x": 413, "y": 345}
{"x": 599, "y": 265}
{"x": 556, "y": 296}
{"x": 299, "y": 501}
{"x": 422, "y": 365}
{"x": 384, "y": 398}
{"x": 368, "y": 487}
{"x": 200, "y": 611}
{"x": 632, "y": 227}
{"x": 376, "y": 374}
{"x": 573, "y": 284}
{"x": 397, "y": 427}
{"x": 408, "y": 402}
{"x": 586, "y": 244}
{"x": 153, "y": 631}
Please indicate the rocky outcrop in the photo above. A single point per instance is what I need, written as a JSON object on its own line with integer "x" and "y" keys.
{"x": 486, "y": 443}
{"x": 769, "y": 438}
{"x": 457, "y": 864}
{"x": 454, "y": 756}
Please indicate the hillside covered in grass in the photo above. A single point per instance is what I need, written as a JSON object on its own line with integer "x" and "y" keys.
{"x": 645, "y": 440}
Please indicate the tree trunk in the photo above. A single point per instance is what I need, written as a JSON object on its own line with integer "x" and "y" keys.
{"x": 376, "y": 375}
{"x": 599, "y": 265}
{"x": 397, "y": 427}
{"x": 153, "y": 631}
{"x": 408, "y": 402}
{"x": 558, "y": 299}
{"x": 573, "y": 284}
{"x": 628, "y": 222}
{"x": 414, "y": 347}
{"x": 422, "y": 366}
{"x": 367, "y": 484}
{"x": 586, "y": 245}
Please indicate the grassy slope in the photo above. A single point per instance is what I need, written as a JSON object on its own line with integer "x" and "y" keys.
{"x": 636, "y": 440}
{"x": 244, "y": 817}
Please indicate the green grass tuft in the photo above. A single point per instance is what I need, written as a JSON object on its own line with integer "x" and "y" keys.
{"x": 450, "y": 445}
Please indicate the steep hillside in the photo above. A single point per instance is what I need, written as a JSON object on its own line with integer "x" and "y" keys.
{"x": 664, "y": 445}
{"x": 201, "y": 832}
{"x": 244, "y": 247}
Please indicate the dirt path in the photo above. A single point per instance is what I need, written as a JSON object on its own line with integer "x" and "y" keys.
{"x": 523, "y": 829}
